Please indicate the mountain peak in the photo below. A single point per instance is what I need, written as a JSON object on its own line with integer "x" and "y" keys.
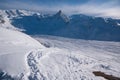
{"x": 59, "y": 13}
{"x": 62, "y": 15}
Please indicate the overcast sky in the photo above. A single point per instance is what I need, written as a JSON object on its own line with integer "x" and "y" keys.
{"x": 105, "y": 8}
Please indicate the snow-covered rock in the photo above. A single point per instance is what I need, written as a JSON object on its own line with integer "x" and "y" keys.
{"x": 118, "y": 24}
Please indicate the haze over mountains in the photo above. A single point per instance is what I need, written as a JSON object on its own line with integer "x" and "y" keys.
{"x": 76, "y": 26}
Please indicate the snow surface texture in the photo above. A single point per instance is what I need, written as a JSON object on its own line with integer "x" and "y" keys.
{"x": 54, "y": 58}
{"x": 13, "y": 47}
{"x": 77, "y": 59}
{"x": 60, "y": 59}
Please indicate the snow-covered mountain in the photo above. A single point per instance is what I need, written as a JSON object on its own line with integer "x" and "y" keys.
{"x": 7, "y": 15}
{"x": 17, "y": 13}
{"x": 48, "y": 57}
{"x": 75, "y": 26}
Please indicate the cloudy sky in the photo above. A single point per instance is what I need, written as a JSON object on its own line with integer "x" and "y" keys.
{"x": 105, "y": 8}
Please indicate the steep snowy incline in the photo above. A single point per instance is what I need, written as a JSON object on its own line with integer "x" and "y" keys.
{"x": 13, "y": 48}
{"x": 7, "y": 15}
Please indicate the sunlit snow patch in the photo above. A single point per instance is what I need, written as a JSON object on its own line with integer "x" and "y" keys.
{"x": 118, "y": 24}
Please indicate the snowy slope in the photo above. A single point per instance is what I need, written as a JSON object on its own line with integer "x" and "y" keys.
{"x": 7, "y": 15}
{"x": 77, "y": 59}
{"x": 57, "y": 58}
{"x": 5, "y": 21}
{"x": 14, "y": 46}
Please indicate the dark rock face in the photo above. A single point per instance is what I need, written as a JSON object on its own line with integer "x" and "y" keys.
{"x": 1, "y": 20}
{"x": 4, "y": 76}
{"x": 76, "y": 26}
{"x": 106, "y": 76}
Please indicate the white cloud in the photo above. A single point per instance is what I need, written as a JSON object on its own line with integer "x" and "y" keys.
{"x": 108, "y": 9}
{"x": 105, "y": 10}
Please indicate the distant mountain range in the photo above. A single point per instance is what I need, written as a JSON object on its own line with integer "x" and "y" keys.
{"x": 77, "y": 26}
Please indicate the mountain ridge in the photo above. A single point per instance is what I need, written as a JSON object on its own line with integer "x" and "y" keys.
{"x": 77, "y": 26}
